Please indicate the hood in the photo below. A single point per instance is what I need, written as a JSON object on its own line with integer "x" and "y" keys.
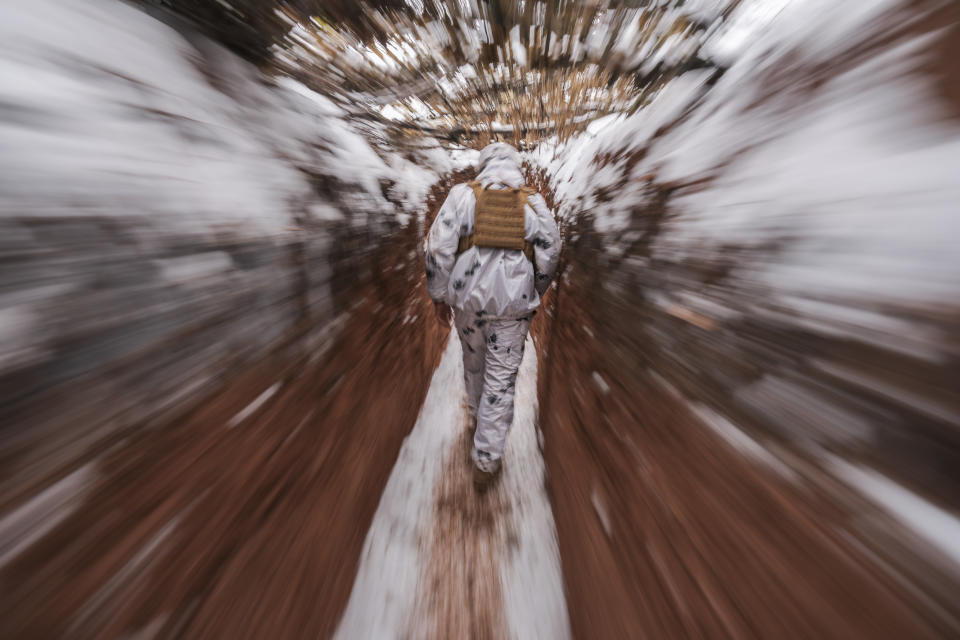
{"x": 500, "y": 163}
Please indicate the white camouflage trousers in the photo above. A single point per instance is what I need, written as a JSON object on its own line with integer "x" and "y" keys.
{"x": 492, "y": 351}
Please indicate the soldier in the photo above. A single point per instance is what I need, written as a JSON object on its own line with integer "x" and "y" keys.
{"x": 491, "y": 254}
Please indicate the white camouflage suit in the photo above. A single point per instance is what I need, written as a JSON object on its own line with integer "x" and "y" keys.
{"x": 493, "y": 292}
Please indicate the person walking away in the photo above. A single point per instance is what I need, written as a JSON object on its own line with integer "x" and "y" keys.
{"x": 491, "y": 254}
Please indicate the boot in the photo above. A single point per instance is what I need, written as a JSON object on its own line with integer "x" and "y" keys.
{"x": 486, "y": 470}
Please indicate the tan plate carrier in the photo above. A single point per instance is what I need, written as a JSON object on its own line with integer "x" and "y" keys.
{"x": 499, "y": 220}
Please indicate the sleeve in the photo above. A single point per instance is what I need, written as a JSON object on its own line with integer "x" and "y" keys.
{"x": 545, "y": 237}
{"x": 441, "y": 244}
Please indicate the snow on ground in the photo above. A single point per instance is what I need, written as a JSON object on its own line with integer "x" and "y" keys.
{"x": 419, "y": 574}
{"x": 533, "y": 588}
{"x": 384, "y": 592}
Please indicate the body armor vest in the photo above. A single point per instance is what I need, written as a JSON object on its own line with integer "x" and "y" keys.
{"x": 499, "y": 220}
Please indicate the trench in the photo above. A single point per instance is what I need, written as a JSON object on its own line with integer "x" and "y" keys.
{"x": 228, "y": 411}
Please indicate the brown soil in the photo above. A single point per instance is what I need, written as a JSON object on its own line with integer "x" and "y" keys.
{"x": 464, "y": 598}
{"x": 205, "y": 531}
{"x": 665, "y": 531}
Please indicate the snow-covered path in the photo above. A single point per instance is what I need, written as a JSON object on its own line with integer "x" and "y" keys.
{"x": 441, "y": 561}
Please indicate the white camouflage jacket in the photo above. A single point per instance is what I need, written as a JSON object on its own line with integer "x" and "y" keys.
{"x": 497, "y": 282}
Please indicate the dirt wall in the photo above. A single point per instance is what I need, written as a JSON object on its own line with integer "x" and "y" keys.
{"x": 666, "y": 530}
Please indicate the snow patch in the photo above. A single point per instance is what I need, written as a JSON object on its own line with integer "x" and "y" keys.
{"x": 739, "y": 440}
{"x": 600, "y": 383}
{"x": 31, "y": 521}
{"x": 939, "y": 527}
{"x": 600, "y": 507}
{"x": 247, "y": 411}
